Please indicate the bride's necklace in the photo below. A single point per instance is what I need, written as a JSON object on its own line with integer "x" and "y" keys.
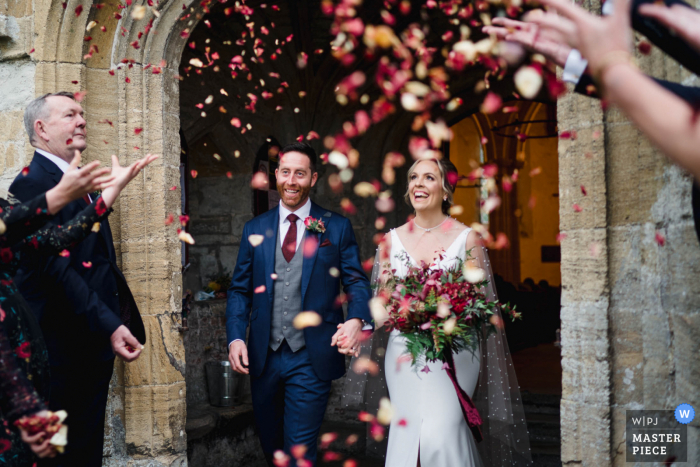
{"x": 432, "y": 228}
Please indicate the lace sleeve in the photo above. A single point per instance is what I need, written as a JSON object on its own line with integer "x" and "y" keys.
{"x": 17, "y": 396}
{"x": 22, "y": 219}
{"x": 56, "y": 238}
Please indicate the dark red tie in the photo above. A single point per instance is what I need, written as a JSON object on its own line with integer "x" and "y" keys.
{"x": 86, "y": 198}
{"x": 289, "y": 247}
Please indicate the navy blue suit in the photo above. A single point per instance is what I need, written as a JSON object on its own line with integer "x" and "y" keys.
{"x": 78, "y": 309}
{"x": 290, "y": 389}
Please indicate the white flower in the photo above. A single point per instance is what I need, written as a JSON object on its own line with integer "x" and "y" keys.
{"x": 473, "y": 274}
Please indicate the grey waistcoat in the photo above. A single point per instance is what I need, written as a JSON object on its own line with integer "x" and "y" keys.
{"x": 286, "y": 301}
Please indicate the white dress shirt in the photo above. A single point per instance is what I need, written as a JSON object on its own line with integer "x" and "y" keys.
{"x": 303, "y": 212}
{"x": 63, "y": 165}
{"x": 575, "y": 64}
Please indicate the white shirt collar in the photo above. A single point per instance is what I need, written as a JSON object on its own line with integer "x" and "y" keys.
{"x": 63, "y": 165}
{"x": 303, "y": 212}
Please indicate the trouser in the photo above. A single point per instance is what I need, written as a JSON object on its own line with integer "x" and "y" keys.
{"x": 289, "y": 402}
{"x": 81, "y": 390}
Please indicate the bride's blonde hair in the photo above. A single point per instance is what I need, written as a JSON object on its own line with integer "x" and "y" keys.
{"x": 447, "y": 170}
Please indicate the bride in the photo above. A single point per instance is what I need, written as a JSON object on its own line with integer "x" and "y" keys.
{"x": 428, "y": 427}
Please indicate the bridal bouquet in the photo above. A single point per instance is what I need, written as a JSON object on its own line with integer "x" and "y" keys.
{"x": 441, "y": 311}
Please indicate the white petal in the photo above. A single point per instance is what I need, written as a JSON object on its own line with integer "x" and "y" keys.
{"x": 255, "y": 239}
{"x": 307, "y": 319}
{"x": 385, "y": 412}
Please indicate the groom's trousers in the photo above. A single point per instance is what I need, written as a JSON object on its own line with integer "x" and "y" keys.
{"x": 289, "y": 402}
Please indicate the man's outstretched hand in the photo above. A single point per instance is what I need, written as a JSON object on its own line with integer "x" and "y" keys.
{"x": 125, "y": 345}
{"x": 238, "y": 357}
{"x": 348, "y": 337}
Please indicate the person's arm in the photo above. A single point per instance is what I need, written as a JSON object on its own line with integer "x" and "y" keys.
{"x": 666, "y": 119}
{"x": 239, "y": 299}
{"x": 673, "y": 26}
{"x": 353, "y": 277}
{"x": 21, "y": 219}
{"x": 54, "y": 239}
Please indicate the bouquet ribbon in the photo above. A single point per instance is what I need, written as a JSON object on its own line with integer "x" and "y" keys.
{"x": 471, "y": 414}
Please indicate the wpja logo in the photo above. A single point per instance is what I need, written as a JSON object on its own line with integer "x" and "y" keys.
{"x": 658, "y": 435}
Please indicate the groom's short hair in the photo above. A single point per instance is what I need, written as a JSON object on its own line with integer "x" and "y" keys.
{"x": 303, "y": 148}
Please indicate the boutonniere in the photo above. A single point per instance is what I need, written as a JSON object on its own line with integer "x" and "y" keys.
{"x": 314, "y": 225}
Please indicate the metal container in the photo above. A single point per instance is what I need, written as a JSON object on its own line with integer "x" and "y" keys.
{"x": 221, "y": 382}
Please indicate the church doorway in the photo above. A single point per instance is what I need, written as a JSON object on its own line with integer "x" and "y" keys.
{"x": 521, "y": 147}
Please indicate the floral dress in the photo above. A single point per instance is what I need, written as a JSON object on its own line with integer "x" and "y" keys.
{"x": 24, "y": 367}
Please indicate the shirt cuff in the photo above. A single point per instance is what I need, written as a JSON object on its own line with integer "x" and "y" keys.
{"x": 574, "y": 67}
{"x": 366, "y": 326}
{"x": 608, "y": 8}
{"x": 229, "y": 344}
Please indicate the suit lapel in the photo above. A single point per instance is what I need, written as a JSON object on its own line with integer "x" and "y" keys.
{"x": 309, "y": 261}
{"x": 44, "y": 164}
{"x": 269, "y": 245}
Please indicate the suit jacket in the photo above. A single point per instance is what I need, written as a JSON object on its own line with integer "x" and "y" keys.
{"x": 78, "y": 307}
{"x": 319, "y": 290}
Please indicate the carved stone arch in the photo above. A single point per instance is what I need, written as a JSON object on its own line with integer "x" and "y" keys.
{"x": 146, "y": 410}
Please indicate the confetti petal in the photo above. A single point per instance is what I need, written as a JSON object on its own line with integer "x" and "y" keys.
{"x": 256, "y": 239}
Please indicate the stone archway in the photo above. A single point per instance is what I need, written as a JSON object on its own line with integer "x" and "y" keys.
{"x": 132, "y": 109}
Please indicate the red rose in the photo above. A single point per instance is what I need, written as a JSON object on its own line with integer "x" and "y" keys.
{"x": 23, "y": 350}
{"x": 5, "y": 445}
{"x": 6, "y": 255}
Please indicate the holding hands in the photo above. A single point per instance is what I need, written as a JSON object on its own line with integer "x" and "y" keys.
{"x": 348, "y": 337}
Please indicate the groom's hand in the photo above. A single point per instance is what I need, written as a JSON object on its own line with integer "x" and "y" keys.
{"x": 347, "y": 338}
{"x": 238, "y": 352}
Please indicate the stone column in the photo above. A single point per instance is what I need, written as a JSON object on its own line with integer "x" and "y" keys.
{"x": 630, "y": 327}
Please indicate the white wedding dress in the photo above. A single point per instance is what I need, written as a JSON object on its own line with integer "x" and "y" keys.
{"x": 428, "y": 420}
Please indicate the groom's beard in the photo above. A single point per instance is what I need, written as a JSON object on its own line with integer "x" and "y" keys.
{"x": 293, "y": 201}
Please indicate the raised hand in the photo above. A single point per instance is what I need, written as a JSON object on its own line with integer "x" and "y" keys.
{"x": 602, "y": 41}
{"x": 122, "y": 176}
{"x": 77, "y": 183}
{"x": 125, "y": 345}
{"x": 528, "y": 35}
{"x": 681, "y": 19}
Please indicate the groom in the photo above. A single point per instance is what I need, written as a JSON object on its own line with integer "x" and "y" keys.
{"x": 294, "y": 269}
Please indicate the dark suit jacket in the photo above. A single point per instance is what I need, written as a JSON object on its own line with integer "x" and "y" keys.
{"x": 78, "y": 307}
{"x": 683, "y": 53}
{"x": 319, "y": 290}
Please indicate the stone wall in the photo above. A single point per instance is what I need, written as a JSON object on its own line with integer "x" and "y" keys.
{"x": 630, "y": 319}
{"x": 17, "y": 73}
